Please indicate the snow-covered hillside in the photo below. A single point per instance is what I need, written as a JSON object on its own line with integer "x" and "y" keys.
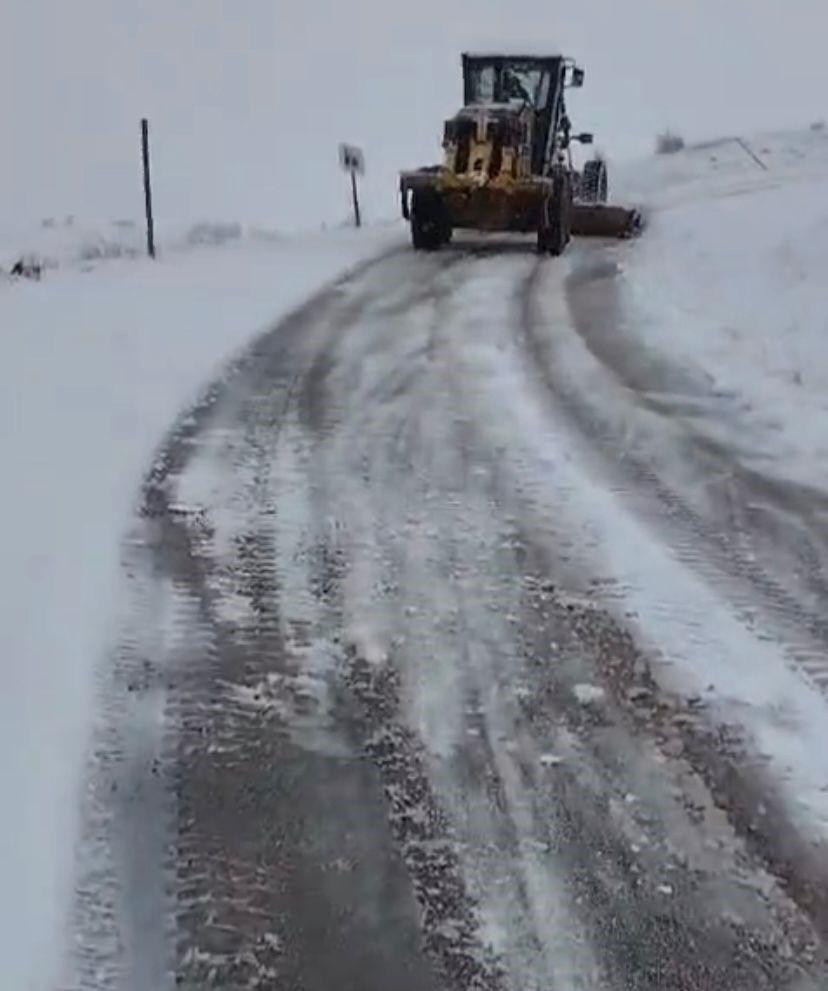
{"x": 723, "y": 165}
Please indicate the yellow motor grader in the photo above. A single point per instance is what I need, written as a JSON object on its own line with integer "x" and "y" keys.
{"x": 508, "y": 162}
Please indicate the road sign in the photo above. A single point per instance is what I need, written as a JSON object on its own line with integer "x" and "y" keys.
{"x": 351, "y": 159}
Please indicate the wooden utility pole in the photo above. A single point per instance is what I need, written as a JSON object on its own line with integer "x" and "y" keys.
{"x": 147, "y": 187}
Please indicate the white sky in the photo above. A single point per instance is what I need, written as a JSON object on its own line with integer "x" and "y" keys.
{"x": 248, "y": 99}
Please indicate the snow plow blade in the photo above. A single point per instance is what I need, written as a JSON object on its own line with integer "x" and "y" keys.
{"x": 600, "y": 220}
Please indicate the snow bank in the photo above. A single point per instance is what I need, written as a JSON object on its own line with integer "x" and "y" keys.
{"x": 93, "y": 368}
{"x": 70, "y": 243}
{"x": 56, "y": 244}
{"x": 732, "y": 281}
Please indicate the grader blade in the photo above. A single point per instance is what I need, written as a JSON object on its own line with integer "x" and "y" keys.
{"x": 601, "y": 220}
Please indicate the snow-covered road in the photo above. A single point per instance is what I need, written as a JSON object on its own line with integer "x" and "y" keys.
{"x": 444, "y": 663}
{"x": 469, "y": 632}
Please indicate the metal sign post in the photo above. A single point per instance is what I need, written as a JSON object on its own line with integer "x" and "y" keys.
{"x": 354, "y": 191}
{"x": 352, "y": 160}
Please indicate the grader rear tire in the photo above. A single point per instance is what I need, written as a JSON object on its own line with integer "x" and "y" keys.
{"x": 555, "y": 227}
{"x": 429, "y": 226}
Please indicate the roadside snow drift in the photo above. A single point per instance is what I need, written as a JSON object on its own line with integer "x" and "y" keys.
{"x": 731, "y": 282}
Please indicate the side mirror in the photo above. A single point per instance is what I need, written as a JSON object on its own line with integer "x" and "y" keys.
{"x": 586, "y": 138}
{"x": 577, "y": 77}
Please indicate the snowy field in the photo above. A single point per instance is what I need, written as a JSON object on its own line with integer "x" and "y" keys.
{"x": 96, "y": 360}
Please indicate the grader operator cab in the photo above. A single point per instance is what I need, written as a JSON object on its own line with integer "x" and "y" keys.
{"x": 508, "y": 162}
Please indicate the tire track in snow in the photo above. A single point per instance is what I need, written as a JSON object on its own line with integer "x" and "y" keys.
{"x": 718, "y": 551}
{"x": 461, "y": 711}
{"x": 212, "y": 899}
{"x": 278, "y": 843}
{"x": 725, "y": 757}
{"x": 487, "y": 376}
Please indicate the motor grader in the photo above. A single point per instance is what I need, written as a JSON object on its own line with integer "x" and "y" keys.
{"x": 508, "y": 162}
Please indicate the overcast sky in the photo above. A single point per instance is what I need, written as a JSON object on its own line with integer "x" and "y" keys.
{"x": 248, "y": 99}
